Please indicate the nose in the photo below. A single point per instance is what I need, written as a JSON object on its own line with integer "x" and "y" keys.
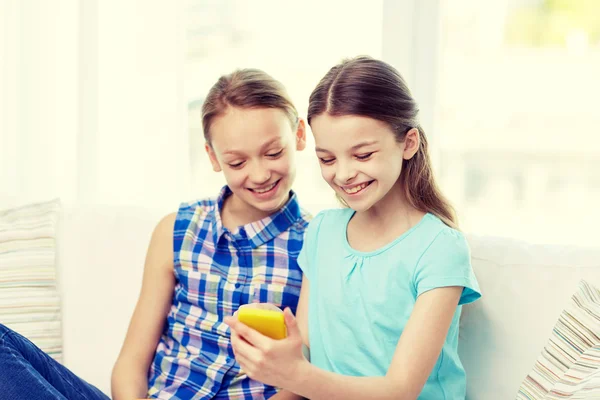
{"x": 345, "y": 172}
{"x": 259, "y": 173}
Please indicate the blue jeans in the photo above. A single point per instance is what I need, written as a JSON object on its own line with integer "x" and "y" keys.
{"x": 26, "y": 372}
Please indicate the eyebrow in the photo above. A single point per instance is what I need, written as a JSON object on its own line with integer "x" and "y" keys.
{"x": 264, "y": 146}
{"x": 354, "y": 148}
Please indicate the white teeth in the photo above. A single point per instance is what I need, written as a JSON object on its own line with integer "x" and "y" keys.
{"x": 266, "y": 189}
{"x": 356, "y": 189}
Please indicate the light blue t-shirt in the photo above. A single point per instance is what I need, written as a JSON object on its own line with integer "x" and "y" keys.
{"x": 360, "y": 302}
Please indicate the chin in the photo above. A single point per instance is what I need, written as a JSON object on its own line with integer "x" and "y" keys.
{"x": 359, "y": 208}
{"x": 359, "y": 205}
{"x": 268, "y": 207}
{"x": 271, "y": 205}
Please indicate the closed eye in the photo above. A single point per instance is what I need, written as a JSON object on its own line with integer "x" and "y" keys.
{"x": 236, "y": 165}
{"x": 364, "y": 156}
{"x": 326, "y": 161}
{"x": 275, "y": 155}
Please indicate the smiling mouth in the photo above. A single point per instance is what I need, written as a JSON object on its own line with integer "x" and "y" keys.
{"x": 264, "y": 189}
{"x": 357, "y": 188}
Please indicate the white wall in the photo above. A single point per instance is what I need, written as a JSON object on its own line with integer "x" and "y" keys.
{"x": 411, "y": 43}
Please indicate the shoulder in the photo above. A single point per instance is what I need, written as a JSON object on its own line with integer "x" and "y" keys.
{"x": 162, "y": 236}
{"x": 196, "y": 210}
{"x": 444, "y": 241}
{"x": 447, "y": 262}
{"x": 164, "y": 228}
{"x": 308, "y": 222}
{"x": 206, "y": 205}
{"x": 327, "y": 220}
{"x": 166, "y": 224}
{"x": 334, "y": 215}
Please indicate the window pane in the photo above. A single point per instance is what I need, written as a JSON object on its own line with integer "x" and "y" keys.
{"x": 518, "y": 122}
{"x": 294, "y": 42}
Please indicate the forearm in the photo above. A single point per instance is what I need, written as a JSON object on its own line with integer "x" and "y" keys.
{"x": 128, "y": 382}
{"x": 317, "y": 384}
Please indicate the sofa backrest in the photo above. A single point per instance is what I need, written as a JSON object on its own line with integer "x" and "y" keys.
{"x": 101, "y": 252}
{"x": 524, "y": 289}
{"x": 100, "y": 257}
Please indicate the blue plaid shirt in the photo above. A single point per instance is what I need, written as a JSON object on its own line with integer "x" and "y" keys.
{"x": 217, "y": 271}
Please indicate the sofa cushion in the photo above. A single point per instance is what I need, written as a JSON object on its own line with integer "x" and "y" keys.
{"x": 585, "y": 382}
{"x": 29, "y": 300}
{"x": 524, "y": 289}
{"x": 569, "y": 361}
{"x": 587, "y": 388}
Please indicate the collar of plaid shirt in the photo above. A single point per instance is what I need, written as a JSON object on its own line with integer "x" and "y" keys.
{"x": 261, "y": 231}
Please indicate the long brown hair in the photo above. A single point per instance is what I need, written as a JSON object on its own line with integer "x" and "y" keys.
{"x": 246, "y": 88}
{"x": 371, "y": 88}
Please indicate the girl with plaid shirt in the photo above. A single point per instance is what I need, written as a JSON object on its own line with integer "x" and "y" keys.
{"x": 202, "y": 264}
{"x": 215, "y": 255}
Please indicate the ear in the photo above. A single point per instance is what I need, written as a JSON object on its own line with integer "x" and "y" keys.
{"x": 412, "y": 142}
{"x": 213, "y": 157}
{"x": 301, "y": 135}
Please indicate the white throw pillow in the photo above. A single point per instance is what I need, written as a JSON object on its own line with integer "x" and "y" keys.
{"x": 569, "y": 365}
{"x": 29, "y": 300}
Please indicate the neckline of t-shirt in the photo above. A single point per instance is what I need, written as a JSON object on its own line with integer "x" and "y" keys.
{"x": 385, "y": 246}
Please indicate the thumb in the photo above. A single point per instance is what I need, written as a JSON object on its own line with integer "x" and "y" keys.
{"x": 290, "y": 323}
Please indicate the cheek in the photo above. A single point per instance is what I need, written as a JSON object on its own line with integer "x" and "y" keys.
{"x": 233, "y": 177}
{"x": 393, "y": 171}
{"x": 283, "y": 166}
{"x": 395, "y": 158}
{"x": 383, "y": 166}
{"x": 397, "y": 164}
{"x": 327, "y": 172}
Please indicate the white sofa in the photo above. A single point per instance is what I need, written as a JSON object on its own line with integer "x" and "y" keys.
{"x": 101, "y": 251}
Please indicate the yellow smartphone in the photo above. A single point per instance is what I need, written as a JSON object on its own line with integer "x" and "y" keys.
{"x": 268, "y": 322}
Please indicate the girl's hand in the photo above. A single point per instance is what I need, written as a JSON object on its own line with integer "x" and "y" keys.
{"x": 274, "y": 362}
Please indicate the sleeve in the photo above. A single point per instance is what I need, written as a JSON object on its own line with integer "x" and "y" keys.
{"x": 306, "y": 258}
{"x": 447, "y": 262}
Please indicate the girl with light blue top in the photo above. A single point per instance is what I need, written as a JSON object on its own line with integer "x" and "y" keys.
{"x": 384, "y": 279}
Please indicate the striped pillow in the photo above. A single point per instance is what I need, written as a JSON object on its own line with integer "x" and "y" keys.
{"x": 569, "y": 366}
{"x": 29, "y": 300}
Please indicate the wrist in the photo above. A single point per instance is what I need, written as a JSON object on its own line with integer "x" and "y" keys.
{"x": 301, "y": 378}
